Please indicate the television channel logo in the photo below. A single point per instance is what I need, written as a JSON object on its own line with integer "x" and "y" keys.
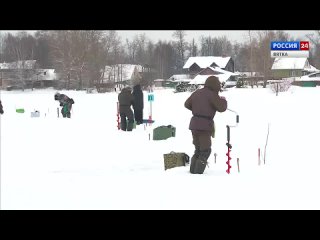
{"x": 297, "y": 49}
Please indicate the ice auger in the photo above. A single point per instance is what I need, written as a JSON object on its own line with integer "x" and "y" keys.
{"x": 228, "y": 141}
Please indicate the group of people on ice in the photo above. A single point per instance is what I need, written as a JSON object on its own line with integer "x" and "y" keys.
{"x": 203, "y": 103}
{"x": 64, "y": 101}
{"x": 127, "y": 98}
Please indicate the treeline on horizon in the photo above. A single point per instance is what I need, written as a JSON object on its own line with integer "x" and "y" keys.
{"x": 90, "y": 51}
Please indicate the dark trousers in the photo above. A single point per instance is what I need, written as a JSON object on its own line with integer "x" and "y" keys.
{"x": 201, "y": 139}
{"x": 138, "y": 115}
{"x": 126, "y": 115}
{"x": 66, "y": 110}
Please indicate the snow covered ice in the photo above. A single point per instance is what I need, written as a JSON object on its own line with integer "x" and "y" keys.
{"x": 87, "y": 163}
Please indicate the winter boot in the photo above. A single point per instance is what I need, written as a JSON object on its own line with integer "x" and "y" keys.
{"x": 130, "y": 125}
{"x": 201, "y": 162}
{"x": 194, "y": 159}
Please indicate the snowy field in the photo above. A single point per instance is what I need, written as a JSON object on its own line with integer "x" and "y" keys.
{"x": 86, "y": 163}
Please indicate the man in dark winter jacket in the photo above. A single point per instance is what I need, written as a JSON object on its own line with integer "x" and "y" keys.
{"x": 204, "y": 103}
{"x": 125, "y": 98}
{"x": 65, "y": 103}
{"x": 1, "y": 108}
{"x": 138, "y": 104}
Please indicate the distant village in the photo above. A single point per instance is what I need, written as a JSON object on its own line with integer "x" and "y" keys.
{"x": 26, "y": 75}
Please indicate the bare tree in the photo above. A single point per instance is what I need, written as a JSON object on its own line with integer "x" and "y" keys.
{"x": 19, "y": 48}
{"x": 251, "y": 47}
{"x": 262, "y": 57}
{"x": 242, "y": 57}
{"x": 217, "y": 46}
{"x": 206, "y": 45}
{"x": 280, "y": 86}
{"x": 149, "y": 52}
{"x": 164, "y": 59}
{"x": 131, "y": 50}
{"x": 192, "y": 48}
{"x": 42, "y": 49}
{"x": 96, "y": 59}
{"x": 108, "y": 42}
{"x": 181, "y": 44}
{"x": 314, "y": 48}
{"x": 76, "y": 55}
{"x": 226, "y": 46}
{"x": 264, "y": 61}
{"x": 141, "y": 49}
{"x": 1, "y": 46}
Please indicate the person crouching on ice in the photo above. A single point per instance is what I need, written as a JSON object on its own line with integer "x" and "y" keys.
{"x": 65, "y": 103}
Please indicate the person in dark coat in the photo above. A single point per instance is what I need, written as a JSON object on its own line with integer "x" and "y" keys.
{"x": 1, "y": 108}
{"x": 138, "y": 104}
{"x": 204, "y": 103}
{"x": 125, "y": 99}
{"x": 65, "y": 103}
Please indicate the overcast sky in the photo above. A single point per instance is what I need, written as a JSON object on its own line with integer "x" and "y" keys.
{"x": 232, "y": 35}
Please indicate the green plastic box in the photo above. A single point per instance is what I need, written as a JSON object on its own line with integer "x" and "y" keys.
{"x": 164, "y": 132}
{"x": 20, "y": 110}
